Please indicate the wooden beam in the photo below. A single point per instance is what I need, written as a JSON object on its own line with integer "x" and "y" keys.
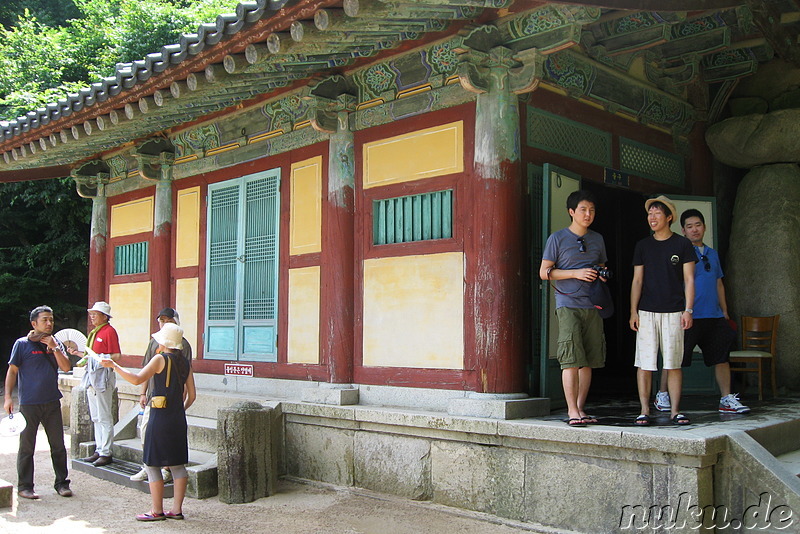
{"x": 660, "y": 5}
{"x": 42, "y": 173}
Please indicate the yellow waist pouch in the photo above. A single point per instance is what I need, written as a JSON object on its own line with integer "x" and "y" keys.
{"x": 160, "y": 401}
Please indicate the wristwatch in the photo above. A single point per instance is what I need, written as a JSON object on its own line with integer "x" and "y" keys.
{"x": 689, "y": 311}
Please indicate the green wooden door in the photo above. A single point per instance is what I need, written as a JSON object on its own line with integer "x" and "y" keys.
{"x": 242, "y": 272}
{"x": 557, "y": 184}
{"x": 698, "y": 378}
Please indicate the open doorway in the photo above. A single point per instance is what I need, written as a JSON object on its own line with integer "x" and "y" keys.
{"x": 622, "y": 222}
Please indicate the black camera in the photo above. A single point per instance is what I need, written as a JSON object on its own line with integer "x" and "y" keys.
{"x": 604, "y": 272}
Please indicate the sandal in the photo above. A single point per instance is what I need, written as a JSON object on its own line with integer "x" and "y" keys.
{"x": 680, "y": 419}
{"x": 589, "y": 419}
{"x": 576, "y": 421}
{"x": 642, "y": 420}
{"x": 150, "y": 516}
{"x": 173, "y": 515}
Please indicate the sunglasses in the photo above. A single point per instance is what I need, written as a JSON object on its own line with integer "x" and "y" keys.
{"x": 582, "y": 241}
{"x": 706, "y": 265}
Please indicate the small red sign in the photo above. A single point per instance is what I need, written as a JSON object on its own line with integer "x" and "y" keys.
{"x": 238, "y": 369}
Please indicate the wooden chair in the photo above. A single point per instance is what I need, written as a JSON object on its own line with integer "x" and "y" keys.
{"x": 758, "y": 346}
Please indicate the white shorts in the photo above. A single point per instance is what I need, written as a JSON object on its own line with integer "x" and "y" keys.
{"x": 659, "y": 331}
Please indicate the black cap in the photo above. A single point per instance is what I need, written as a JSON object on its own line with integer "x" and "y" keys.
{"x": 168, "y": 312}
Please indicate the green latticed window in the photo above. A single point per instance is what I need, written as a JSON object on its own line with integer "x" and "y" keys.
{"x": 558, "y": 135}
{"x": 131, "y": 259}
{"x": 413, "y": 218}
{"x": 651, "y": 162}
{"x": 242, "y": 274}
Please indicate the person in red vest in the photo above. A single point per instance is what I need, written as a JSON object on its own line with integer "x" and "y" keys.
{"x": 100, "y": 382}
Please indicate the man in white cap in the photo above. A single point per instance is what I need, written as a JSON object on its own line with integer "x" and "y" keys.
{"x": 101, "y": 382}
{"x": 662, "y": 295}
{"x": 167, "y": 315}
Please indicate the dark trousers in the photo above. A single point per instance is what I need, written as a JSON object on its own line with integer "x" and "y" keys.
{"x": 49, "y": 415}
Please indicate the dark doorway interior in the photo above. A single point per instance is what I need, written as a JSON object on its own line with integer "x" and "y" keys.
{"x": 622, "y": 222}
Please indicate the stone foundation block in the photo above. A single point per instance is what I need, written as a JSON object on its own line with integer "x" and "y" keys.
{"x": 481, "y": 478}
{"x": 319, "y": 453}
{"x": 393, "y": 464}
{"x": 6, "y": 494}
{"x": 244, "y": 454}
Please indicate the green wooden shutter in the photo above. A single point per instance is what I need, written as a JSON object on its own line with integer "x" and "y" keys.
{"x": 242, "y": 274}
{"x": 413, "y": 218}
{"x": 260, "y": 280}
{"x": 223, "y": 228}
{"x": 131, "y": 259}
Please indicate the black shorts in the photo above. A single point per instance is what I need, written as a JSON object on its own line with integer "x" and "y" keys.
{"x": 716, "y": 340}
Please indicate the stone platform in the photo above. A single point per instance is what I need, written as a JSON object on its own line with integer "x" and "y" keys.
{"x": 538, "y": 470}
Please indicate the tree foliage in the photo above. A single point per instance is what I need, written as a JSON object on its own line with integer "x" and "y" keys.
{"x": 49, "y": 48}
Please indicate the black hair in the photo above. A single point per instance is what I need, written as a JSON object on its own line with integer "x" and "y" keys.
{"x": 39, "y": 309}
{"x": 576, "y": 197}
{"x": 692, "y": 213}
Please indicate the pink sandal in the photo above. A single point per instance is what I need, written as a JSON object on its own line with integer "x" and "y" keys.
{"x": 151, "y": 516}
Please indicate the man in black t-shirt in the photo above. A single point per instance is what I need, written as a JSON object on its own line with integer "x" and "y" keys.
{"x": 662, "y": 295}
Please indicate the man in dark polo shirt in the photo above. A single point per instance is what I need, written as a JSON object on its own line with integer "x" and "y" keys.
{"x": 35, "y": 360}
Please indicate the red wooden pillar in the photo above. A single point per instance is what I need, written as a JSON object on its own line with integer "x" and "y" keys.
{"x": 495, "y": 242}
{"x": 337, "y": 315}
{"x": 161, "y": 246}
{"x": 97, "y": 246}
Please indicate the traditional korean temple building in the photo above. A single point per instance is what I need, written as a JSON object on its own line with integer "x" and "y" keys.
{"x": 354, "y": 194}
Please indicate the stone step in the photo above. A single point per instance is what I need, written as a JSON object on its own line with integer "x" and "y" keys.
{"x": 202, "y": 433}
{"x": 209, "y": 401}
{"x": 119, "y": 471}
{"x": 792, "y": 461}
{"x": 202, "y": 466}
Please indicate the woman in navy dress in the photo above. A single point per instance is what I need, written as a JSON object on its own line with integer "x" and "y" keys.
{"x": 165, "y": 441}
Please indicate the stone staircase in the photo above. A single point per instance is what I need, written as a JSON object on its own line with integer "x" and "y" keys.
{"x": 127, "y": 449}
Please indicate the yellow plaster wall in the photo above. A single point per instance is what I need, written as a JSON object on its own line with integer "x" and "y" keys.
{"x": 305, "y": 235}
{"x": 132, "y": 217}
{"x": 187, "y": 229}
{"x": 422, "y": 154}
{"x": 130, "y": 308}
{"x": 304, "y": 301}
{"x": 186, "y": 298}
{"x": 414, "y": 311}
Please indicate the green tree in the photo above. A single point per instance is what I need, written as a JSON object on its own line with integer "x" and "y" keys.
{"x": 44, "y": 235}
{"x": 49, "y": 12}
{"x": 44, "y": 56}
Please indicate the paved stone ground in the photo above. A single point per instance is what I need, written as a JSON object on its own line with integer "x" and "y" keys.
{"x": 104, "y": 507}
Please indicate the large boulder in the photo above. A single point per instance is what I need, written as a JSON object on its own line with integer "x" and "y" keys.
{"x": 764, "y": 258}
{"x": 753, "y": 140}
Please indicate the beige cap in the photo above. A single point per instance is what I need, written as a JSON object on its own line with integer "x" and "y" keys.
{"x": 664, "y": 200}
{"x": 102, "y": 307}
{"x": 170, "y": 336}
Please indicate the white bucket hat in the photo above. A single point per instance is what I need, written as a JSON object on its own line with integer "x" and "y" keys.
{"x": 170, "y": 336}
{"x": 102, "y": 307}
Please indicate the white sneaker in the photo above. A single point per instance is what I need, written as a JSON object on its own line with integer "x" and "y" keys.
{"x": 730, "y": 404}
{"x": 166, "y": 474}
{"x": 662, "y": 403}
{"x": 140, "y": 476}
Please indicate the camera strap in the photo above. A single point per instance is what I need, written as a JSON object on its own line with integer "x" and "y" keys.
{"x": 554, "y": 286}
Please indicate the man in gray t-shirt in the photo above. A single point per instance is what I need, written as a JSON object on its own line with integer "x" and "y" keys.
{"x": 569, "y": 257}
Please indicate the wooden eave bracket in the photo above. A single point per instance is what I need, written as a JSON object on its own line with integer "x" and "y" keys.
{"x": 523, "y": 70}
{"x": 155, "y": 158}
{"x": 90, "y": 178}
{"x": 331, "y": 101}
